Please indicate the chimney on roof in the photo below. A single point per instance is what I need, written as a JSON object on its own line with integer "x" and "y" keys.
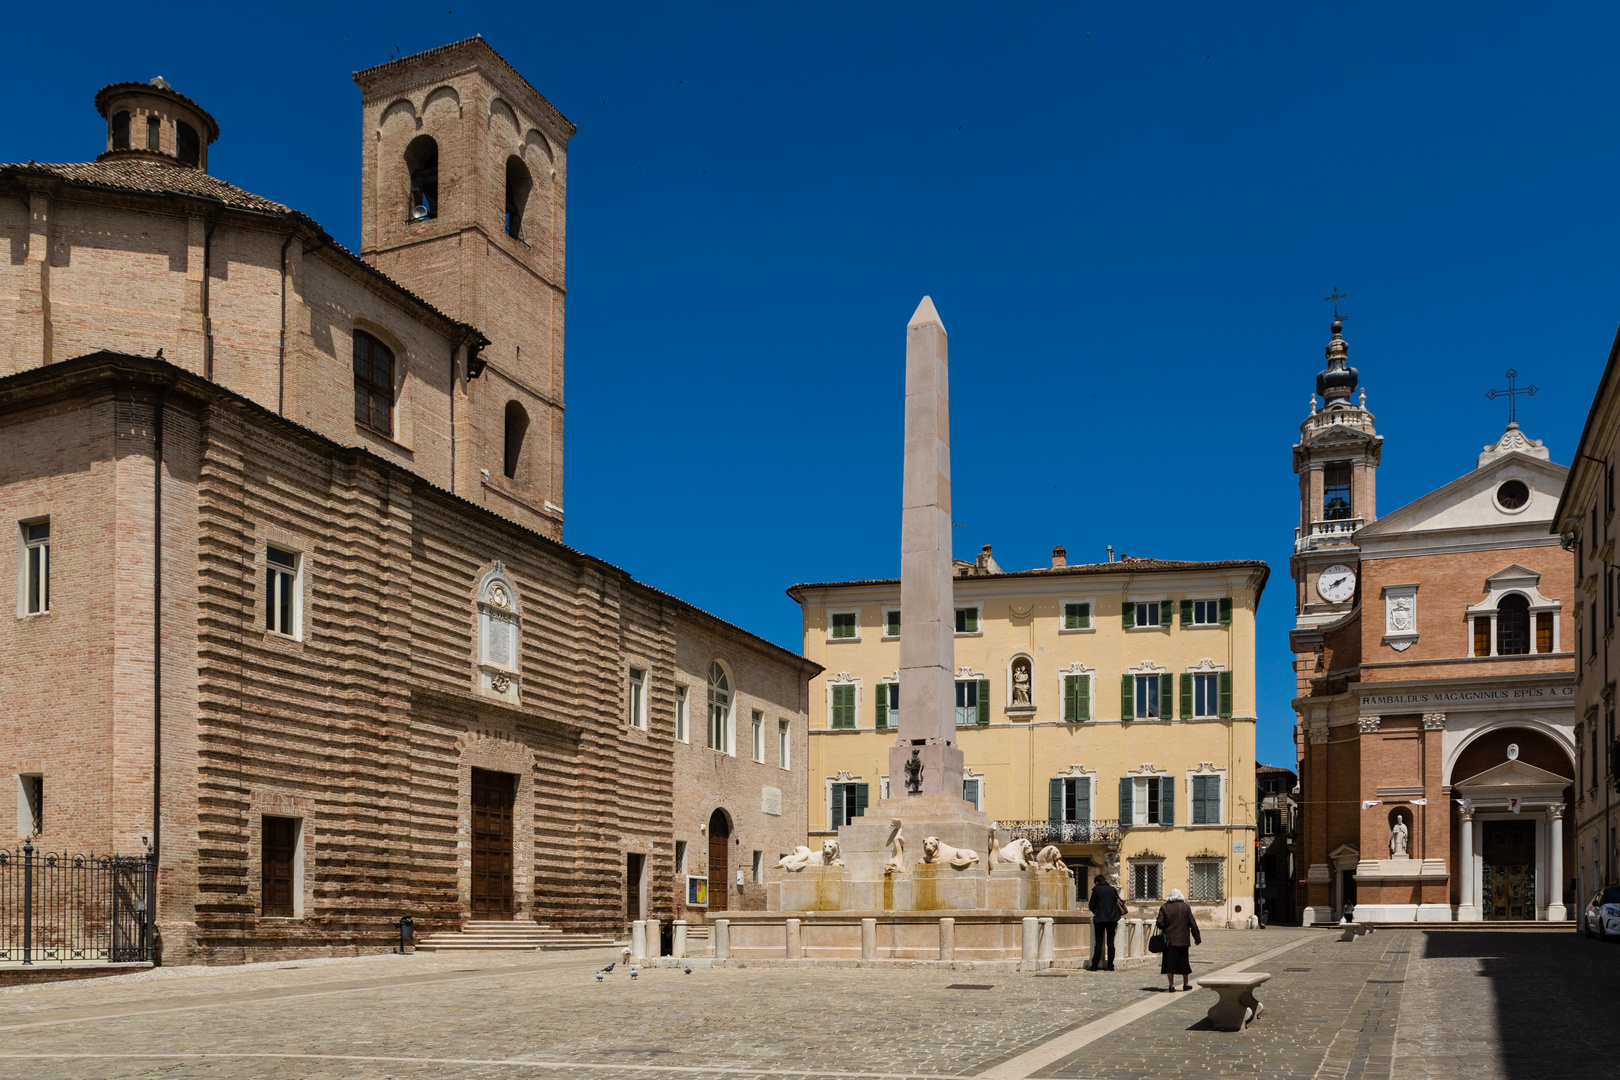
{"x": 1060, "y": 556}
{"x": 1110, "y": 552}
{"x": 987, "y": 562}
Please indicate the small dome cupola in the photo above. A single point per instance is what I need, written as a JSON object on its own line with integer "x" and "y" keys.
{"x": 150, "y": 121}
{"x": 1338, "y": 380}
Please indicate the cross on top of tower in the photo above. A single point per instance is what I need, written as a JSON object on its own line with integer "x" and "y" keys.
{"x": 1336, "y": 297}
{"x": 1511, "y": 393}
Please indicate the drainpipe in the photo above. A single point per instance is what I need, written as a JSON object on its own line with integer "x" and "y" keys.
{"x": 281, "y": 355}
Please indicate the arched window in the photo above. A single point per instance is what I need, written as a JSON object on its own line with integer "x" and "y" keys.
{"x": 1513, "y": 625}
{"x": 120, "y": 130}
{"x": 187, "y": 147}
{"x": 422, "y": 162}
{"x": 719, "y": 708}
{"x": 373, "y": 383}
{"x": 154, "y": 133}
{"x": 518, "y": 184}
{"x": 517, "y": 426}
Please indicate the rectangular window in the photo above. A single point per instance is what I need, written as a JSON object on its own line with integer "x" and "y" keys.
{"x": 1076, "y": 698}
{"x": 680, "y": 856}
{"x": 967, "y": 620}
{"x": 759, "y": 736}
{"x": 845, "y": 625}
{"x": 1147, "y": 613}
{"x": 278, "y": 867}
{"x": 31, "y": 803}
{"x": 1205, "y": 878}
{"x": 891, "y": 623}
{"x": 36, "y": 538}
{"x": 1482, "y": 635}
{"x": 680, "y": 713}
{"x": 638, "y": 698}
{"x": 1206, "y": 800}
{"x": 1268, "y": 823}
{"x": 783, "y": 745}
{"x": 970, "y": 794}
{"x": 1544, "y": 631}
{"x": 1146, "y": 804}
{"x": 280, "y": 591}
{"x": 759, "y": 867}
{"x": 888, "y": 705}
{"x": 1069, "y": 798}
{"x": 1147, "y": 697}
{"x": 373, "y": 383}
{"x": 719, "y": 720}
{"x": 1077, "y": 616}
{"x": 1206, "y": 693}
{"x": 846, "y": 803}
{"x": 843, "y": 705}
{"x": 1147, "y": 880}
{"x": 967, "y": 703}
{"x": 1336, "y": 503}
{"x": 1207, "y": 612}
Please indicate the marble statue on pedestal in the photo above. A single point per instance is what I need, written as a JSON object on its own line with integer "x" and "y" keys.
{"x": 803, "y": 857}
{"x": 1051, "y": 858}
{"x": 1397, "y": 838}
{"x": 897, "y": 850}
{"x": 936, "y": 850}
{"x": 1021, "y": 853}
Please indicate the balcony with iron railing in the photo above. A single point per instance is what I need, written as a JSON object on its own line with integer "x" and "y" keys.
{"x": 1042, "y": 832}
{"x": 1335, "y": 532}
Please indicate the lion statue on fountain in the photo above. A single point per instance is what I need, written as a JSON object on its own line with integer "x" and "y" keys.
{"x": 1051, "y": 858}
{"x": 1021, "y": 853}
{"x": 936, "y": 850}
{"x": 803, "y": 857}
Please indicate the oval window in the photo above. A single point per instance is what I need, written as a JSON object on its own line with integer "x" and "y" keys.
{"x": 1513, "y": 494}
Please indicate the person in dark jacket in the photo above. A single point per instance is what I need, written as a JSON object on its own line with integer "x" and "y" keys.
{"x": 1106, "y": 911}
{"x": 1180, "y": 931}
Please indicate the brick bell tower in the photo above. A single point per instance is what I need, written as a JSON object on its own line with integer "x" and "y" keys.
{"x": 1336, "y": 460}
{"x": 463, "y": 201}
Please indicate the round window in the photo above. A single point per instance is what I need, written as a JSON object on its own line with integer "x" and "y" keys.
{"x": 1513, "y": 494}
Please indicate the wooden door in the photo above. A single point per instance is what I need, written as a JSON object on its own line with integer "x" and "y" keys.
{"x": 276, "y": 884}
{"x": 1508, "y": 850}
{"x": 633, "y": 865}
{"x": 719, "y": 861}
{"x": 492, "y": 798}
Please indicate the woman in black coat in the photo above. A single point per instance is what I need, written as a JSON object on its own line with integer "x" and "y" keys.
{"x": 1180, "y": 931}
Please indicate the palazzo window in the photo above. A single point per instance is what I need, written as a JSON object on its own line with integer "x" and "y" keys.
{"x": 1145, "y": 697}
{"x": 1207, "y": 612}
{"x": 373, "y": 383}
{"x": 1147, "y": 879}
{"x": 680, "y": 713}
{"x": 1206, "y": 800}
{"x": 638, "y": 698}
{"x": 1145, "y": 614}
{"x": 972, "y": 701}
{"x": 841, "y": 702}
{"x": 784, "y": 743}
{"x": 281, "y": 599}
{"x": 1076, "y": 698}
{"x": 36, "y": 562}
{"x": 1077, "y": 616}
{"x": 967, "y": 620}
{"x": 1336, "y": 502}
{"x": 1206, "y": 879}
{"x": 844, "y": 626}
{"x": 973, "y": 791}
{"x": 758, "y": 736}
{"x": 1147, "y": 800}
{"x": 1068, "y": 798}
{"x": 845, "y": 803}
{"x": 891, "y": 622}
{"x": 719, "y": 709}
{"x": 1206, "y": 694}
{"x": 888, "y": 705}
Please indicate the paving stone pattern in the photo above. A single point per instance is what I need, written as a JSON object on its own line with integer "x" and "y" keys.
{"x": 1349, "y": 1014}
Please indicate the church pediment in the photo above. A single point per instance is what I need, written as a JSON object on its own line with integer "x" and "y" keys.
{"x": 1510, "y": 774}
{"x": 1478, "y": 500}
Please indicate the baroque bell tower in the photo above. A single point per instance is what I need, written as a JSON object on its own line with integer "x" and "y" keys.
{"x": 463, "y": 201}
{"x": 1336, "y": 460}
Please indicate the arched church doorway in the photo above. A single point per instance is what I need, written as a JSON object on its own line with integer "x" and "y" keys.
{"x": 719, "y": 860}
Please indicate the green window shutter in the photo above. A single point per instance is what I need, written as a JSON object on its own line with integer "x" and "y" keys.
{"x": 984, "y": 701}
{"x": 881, "y": 697}
{"x": 1226, "y": 695}
{"x": 836, "y": 815}
{"x": 1167, "y": 689}
{"x": 1125, "y": 794}
{"x": 1071, "y": 616}
{"x": 1082, "y": 697}
{"x": 1085, "y": 616}
{"x": 1167, "y": 800}
{"x": 1186, "y": 695}
{"x": 860, "y": 801}
{"x": 1128, "y": 615}
{"x": 1082, "y": 799}
{"x": 1164, "y": 613}
{"x": 1127, "y": 698}
{"x": 1071, "y": 705}
{"x": 973, "y": 620}
{"x": 1186, "y": 613}
{"x": 1054, "y": 800}
{"x": 1198, "y": 795}
{"x": 1226, "y": 611}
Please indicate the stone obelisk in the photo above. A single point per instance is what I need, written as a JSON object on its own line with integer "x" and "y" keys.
{"x": 927, "y": 729}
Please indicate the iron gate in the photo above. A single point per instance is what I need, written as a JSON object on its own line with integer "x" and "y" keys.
{"x": 56, "y": 908}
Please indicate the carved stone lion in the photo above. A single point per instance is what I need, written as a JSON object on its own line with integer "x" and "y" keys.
{"x": 936, "y": 850}
{"x": 1020, "y": 853}
{"x": 1051, "y": 858}
{"x": 803, "y": 857}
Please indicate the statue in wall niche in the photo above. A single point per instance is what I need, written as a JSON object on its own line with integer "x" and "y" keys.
{"x": 1020, "y": 682}
{"x": 1397, "y": 838}
{"x": 1051, "y": 858}
{"x": 1111, "y": 868}
{"x": 936, "y": 850}
{"x": 897, "y": 849}
{"x": 803, "y": 857}
{"x": 1020, "y": 853}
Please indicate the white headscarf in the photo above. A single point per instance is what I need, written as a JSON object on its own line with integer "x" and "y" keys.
{"x": 1175, "y": 894}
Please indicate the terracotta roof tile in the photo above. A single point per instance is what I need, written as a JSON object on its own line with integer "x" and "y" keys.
{"x": 154, "y": 178}
{"x": 1126, "y": 565}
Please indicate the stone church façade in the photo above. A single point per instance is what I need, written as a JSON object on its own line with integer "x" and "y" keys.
{"x": 292, "y": 601}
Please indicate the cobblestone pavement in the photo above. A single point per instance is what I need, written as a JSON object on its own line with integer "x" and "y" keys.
{"x": 544, "y": 1016}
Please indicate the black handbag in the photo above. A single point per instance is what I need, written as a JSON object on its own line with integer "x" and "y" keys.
{"x": 1156, "y": 942}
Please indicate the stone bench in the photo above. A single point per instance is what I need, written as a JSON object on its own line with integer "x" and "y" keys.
{"x": 1351, "y": 931}
{"x": 1237, "y": 1004}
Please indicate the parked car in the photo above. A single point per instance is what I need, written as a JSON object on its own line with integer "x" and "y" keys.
{"x": 1603, "y": 914}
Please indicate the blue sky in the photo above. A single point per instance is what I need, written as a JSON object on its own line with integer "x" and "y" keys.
{"x": 1126, "y": 215}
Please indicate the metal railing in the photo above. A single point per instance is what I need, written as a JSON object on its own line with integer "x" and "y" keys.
{"x": 1095, "y": 831}
{"x": 60, "y": 908}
